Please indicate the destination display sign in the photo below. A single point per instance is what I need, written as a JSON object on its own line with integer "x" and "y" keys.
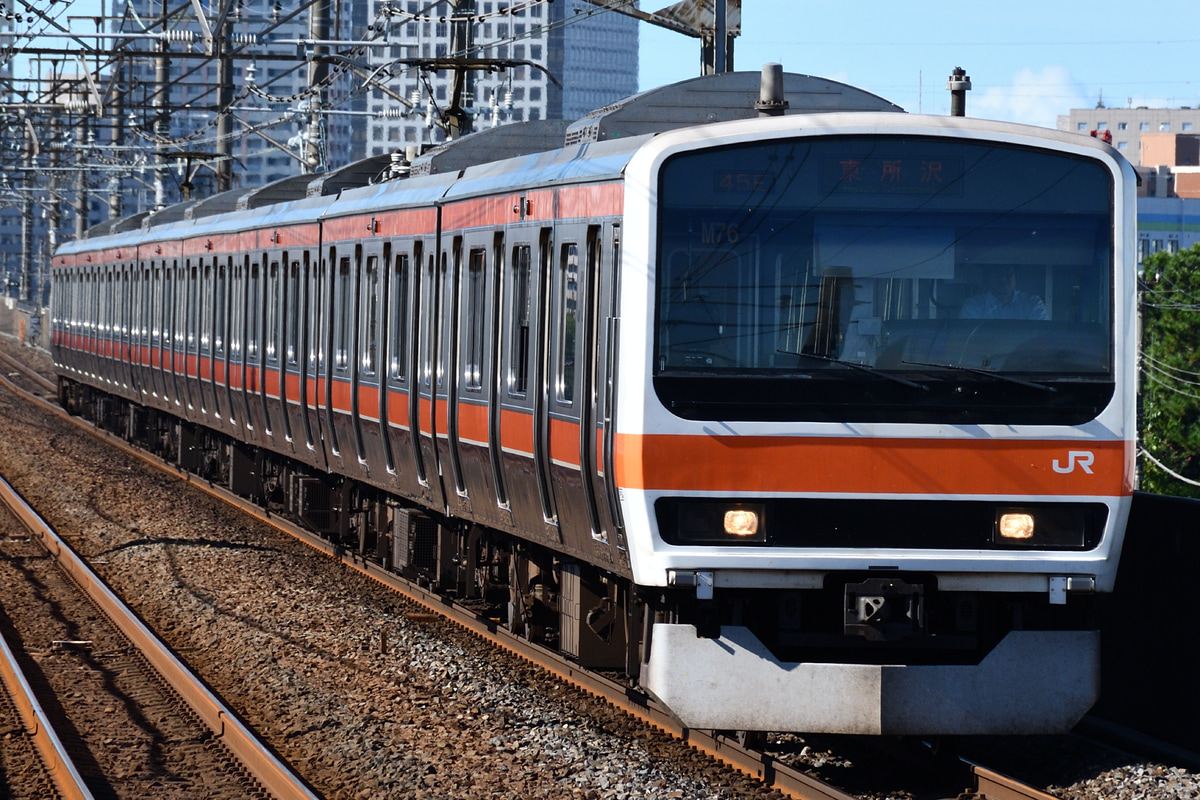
{"x": 854, "y": 174}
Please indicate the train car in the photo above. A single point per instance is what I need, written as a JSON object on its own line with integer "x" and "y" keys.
{"x": 804, "y": 413}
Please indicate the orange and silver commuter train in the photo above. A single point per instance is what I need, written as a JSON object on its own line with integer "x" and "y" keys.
{"x": 815, "y": 421}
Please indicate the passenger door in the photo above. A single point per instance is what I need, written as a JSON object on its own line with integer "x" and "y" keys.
{"x": 311, "y": 344}
{"x": 429, "y": 379}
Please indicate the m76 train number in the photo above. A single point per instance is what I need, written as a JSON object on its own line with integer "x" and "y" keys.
{"x": 719, "y": 233}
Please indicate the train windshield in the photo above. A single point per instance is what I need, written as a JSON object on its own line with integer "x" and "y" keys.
{"x": 884, "y": 278}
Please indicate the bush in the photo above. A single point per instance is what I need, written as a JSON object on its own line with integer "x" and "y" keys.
{"x": 1170, "y": 419}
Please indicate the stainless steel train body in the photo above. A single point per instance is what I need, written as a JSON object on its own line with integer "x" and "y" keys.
{"x": 821, "y": 422}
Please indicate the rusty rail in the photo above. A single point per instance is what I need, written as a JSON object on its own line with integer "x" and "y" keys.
{"x": 28, "y": 372}
{"x": 994, "y": 786}
{"x": 53, "y": 754}
{"x": 271, "y": 773}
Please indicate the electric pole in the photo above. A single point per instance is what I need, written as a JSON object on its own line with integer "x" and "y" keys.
{"x": 318, "y": 74}
{"x": 28, "y": 185}
{"x": 81, "y": 188}
{"x": 221, "y": 44}
{"x": 462, "y": 39}
{"x": 162, "y": 113}
{"x": 118, "y": 133}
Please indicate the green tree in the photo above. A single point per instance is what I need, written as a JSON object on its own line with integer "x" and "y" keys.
{"x": 1171, "y": 373}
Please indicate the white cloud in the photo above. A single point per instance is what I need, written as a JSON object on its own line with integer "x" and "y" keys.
{"x": 1034, "y": 97}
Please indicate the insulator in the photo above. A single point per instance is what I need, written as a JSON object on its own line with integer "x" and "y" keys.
{"x": 180, "y": 36}
{"x": 392, "y": 113}
{"x": 244, "y": 38}
{"x": 77, "y": 105}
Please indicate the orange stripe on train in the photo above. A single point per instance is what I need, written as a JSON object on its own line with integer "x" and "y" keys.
{"x": 768, "y": 464}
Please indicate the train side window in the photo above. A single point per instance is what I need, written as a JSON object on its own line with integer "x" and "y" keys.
{"x": 566, "y": 317}
{"x": 319, "y": 304}
{"x": 291, "y": 311}
{"x": 219, "y": 319}
{"x": 473, "y": 319}
{"x": 237, "y": 311}
{"x": 520, "y": 311}
{"x": 271, "y": 326}
{"x": 182, "y": 299}
{"x": 253, "y": 304}
{"x": 74, "y": 301}
{"x": 168, "y": 305}
{"x": 205, "y": 298}
{"x": 341, "y": 356}
{"x": 147, "y": 312}
{"x": 369, "y": 335}
{"x": 78, "y": 304}
{"x": 104, "y": 288}
{"x": 114, "y": 320}
{"x": 119, "y": 297}
{"x": 398, "y": 325}
{"x": 194, "y": 305}
{"x": 156, "y": 304}
{"x": 125, "y": 288}
{"x": 109, "y": 316}
{"x": 430, "y": 319}
{"x": 445, "y": 300}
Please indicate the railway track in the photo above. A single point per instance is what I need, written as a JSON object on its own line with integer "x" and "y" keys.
{"x": 790, "y": 781}
{"x": 133, "y": 716}
{"x": 21, "y": 374}
{"x": 36, "y": 762}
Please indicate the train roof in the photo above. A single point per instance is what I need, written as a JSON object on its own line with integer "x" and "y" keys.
{"x": 579, "y": 163}
{"x": 521, "y": 155}
{"x": 492, "y": 144}
{"x": 717, "y": 98}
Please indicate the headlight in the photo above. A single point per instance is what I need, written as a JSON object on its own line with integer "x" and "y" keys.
{"x": 717, "y": 523}
{"x": 741, "y": 522}
{"x": 1015, "y": 526}
{"x": 1039, "y": 527}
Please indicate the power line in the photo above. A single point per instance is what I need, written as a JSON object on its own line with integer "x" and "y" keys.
{"x": 1143, "y": 452}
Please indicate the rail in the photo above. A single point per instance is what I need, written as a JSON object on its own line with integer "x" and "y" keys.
{"x": 29, "y": 373}
{"x": 50, "y": 748}
{"x": 271, "y": 773}
{"x": 994, "y": 786}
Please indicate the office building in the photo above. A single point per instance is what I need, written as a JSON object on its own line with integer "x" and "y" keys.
{"x": 591, "y": 52}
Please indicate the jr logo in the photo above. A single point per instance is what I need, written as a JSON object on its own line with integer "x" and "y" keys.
{"x": 1076, "y": 458}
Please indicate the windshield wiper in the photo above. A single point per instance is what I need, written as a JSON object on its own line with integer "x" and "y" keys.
{"x": 878, "y": 373}
{"x": 989, "y": 373}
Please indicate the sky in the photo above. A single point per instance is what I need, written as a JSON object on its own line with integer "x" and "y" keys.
{"x": 1028, "y": 60}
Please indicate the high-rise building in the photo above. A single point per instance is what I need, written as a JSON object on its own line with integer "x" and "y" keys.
{"x": 270, "y": 116}
{"x": 591, "y": 52}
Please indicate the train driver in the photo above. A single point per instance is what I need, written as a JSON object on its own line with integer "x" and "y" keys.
{"x": 1003, "y": 300}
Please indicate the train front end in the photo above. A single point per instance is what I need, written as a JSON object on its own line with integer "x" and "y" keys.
{"x": 876, "y": 420}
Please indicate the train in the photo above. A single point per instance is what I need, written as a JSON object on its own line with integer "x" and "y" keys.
{"x": 800, "y": 412}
